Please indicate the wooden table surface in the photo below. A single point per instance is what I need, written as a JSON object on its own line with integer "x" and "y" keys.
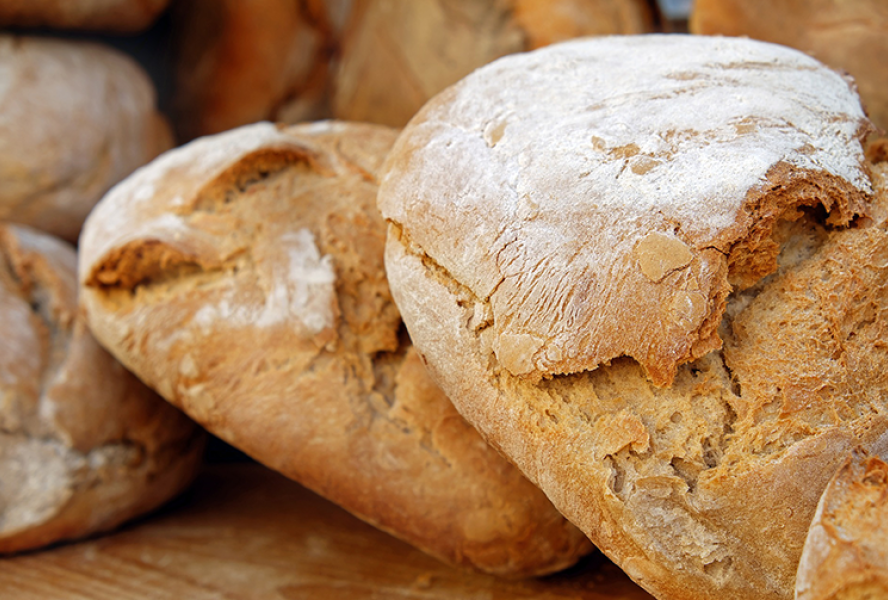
{"x": 244, "y": 532}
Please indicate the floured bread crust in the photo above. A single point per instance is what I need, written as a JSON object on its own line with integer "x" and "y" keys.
{"x": 574, "y": 213}
{"x": 703, "y": 488}
{"x": 242, "y": 277}
{"x": 397, "y": 54}
{"x": 846, "y": 554}
{"x": 75, "y": 118}
{"x": 84, "y": 445}
{"x": 122, "y": 16}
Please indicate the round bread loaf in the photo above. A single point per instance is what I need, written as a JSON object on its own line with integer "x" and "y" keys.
{"x": 846, "y": 554}
{"x": 121, "y": 16}
{"x": 648, "y": 270}
{"x": 75, "y": 118}
{"x": 397, "y": 54}
{"x": 84, "y": 445}
{"x": 242, "y": 277}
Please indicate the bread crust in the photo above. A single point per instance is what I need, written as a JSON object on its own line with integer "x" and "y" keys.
{"x": 397, "y": 55}
{"x": 703, "y": 488}
{"x": 84, "y": 445}
{"x": 98, "y": 101}
{"x": 845, "y": 555}
{"x": 242, "y": 277}
{"x": 121, "y": 16}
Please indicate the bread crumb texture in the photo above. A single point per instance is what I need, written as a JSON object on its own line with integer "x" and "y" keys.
{"x": 242, "y": 277}
{"x": 84, "y": 445}
{"x": 679, "y": 354}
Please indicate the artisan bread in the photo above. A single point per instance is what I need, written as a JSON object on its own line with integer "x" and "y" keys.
{"x": 851, "y": 35}
{"x": 846, "y": 555}
{"x": 119, "y": 16}
{"x": 242, "y": 277}
{"x": 75, "y": 118}
{"x": 395, "y": 55}
{"x": 649, "y": 270}
{"x": 242, "y": 62}
{"x": 84, "y": 445}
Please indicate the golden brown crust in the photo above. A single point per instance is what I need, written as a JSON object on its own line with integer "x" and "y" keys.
{"x": 845, "y": 555}
{"x": 396, "y": 55}
{"x": 248, "y": 288}
{"x": 84, "y": 445}
{"x": 850, "y": 35}
{"x": 121, "y": 16}
{"x": 243, "y": 62}
{"x": 95, "y": 99}
{"x": 703, "y": 489}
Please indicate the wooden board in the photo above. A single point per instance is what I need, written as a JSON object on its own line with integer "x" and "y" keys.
{"x": 244, "y": 532}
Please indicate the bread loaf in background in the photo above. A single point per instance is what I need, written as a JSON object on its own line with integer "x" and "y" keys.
{"x": 846, "y": 552}
{"x": 651, "y": 271}
{"x": 396, "y": 54}
{"x": 851, "y": 35}
{"x": 84, "y": 445}
{"x": 241, "y": 276}
{"x": 117, "y": 16}
{"x": 241, "y": 62}
{"x": 75, "y": 118}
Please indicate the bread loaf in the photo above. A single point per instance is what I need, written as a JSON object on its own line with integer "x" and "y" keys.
{"x": 851, "y": 35}
{"x": 120, "y": 16}
{"x": 650, "y": 271}
{"x": 84, "y": 445}
{"x": 242, "y": 62}
{"x": 242, "y": 277}
{"x": 846, "y": 555}
{"x": 399, "y": 53}
{"x": 75, "y": 118}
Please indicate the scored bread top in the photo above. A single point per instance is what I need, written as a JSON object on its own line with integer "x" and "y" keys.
{"x": 242, "y": 277}
{"x": 601, "y": 197}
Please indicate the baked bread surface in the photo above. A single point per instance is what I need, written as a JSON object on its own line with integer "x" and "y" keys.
{"x": 396, "y": 55}
{"x": 845, "y": 555}
{"x": 84, "y": 445}
{"x": 122, "y": 16}
{"x": 75, "y": 118}
{"x": 660, "y": 293}
{"x": 242, "y": 277}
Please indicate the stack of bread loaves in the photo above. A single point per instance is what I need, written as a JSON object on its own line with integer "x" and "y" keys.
{"x": 662, "y": 293}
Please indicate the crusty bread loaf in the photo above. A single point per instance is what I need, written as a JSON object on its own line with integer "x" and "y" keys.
{"x": 242, "y": 62}
{"x": 397, "y": 54}
{"x": 846, "y": 552}
{"x": 242, "y": 277}
{"x": 850, "y": 35}
{"x": 83, "y": 444}
{"x": 649, "y": 271}
{"x": 121, "y": 16}
{"x": 75, "y": 118}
